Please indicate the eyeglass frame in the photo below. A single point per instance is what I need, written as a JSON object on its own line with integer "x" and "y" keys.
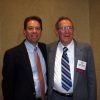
{"x": 64, "y": 28}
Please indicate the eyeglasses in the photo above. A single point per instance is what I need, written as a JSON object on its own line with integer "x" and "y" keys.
{"x": 65, "y": 28}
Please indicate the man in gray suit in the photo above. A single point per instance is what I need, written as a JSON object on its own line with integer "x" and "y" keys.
{"x": 76, "y": 78}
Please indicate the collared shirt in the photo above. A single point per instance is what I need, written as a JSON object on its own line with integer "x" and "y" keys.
{"x": 57, "y": 67}
{"x": 30, "y": 50}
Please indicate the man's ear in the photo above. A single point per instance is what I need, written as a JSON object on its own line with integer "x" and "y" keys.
{"x": 24, "y": 32}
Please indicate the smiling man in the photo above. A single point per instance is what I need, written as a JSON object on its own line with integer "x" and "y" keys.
{"x": 71, "y": 69}
{"x": 24, "y": 66}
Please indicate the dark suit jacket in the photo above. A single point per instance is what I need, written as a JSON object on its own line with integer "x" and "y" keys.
{"x": 18, "y": 83}
{"x": 84, "y": 81}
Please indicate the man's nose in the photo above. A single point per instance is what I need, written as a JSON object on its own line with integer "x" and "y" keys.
{"x": 67, "y": 30}
{"x": 34, "y": 30}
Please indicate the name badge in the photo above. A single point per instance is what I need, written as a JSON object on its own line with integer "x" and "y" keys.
{"x": 81, "y": 65}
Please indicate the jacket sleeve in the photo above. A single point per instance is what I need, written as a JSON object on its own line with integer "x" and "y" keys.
{"x": 91, "y": 75}
{"x": 8, "y": 76}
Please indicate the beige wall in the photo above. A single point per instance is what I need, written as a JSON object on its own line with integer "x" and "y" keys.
{"x": 95, "y": 37}
{"x": 13, "y": 13}
{"x": 0, "y": 55}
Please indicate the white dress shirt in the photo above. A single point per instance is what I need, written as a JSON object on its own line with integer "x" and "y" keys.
{"x": 30, "y": 50}
{"x": 57, "y": 67}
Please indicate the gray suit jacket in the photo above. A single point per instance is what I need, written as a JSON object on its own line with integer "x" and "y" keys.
{"x": 84, "y": 81}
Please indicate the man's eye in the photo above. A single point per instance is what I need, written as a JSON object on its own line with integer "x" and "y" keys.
{"x": 32, "y": 28}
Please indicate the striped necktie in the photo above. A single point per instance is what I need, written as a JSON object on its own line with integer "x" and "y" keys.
{"x": 65, "y": 71}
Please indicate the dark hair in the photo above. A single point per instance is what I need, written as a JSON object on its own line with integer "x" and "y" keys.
{"x": 32, "y": 18}
{"x": 60, "y": 19}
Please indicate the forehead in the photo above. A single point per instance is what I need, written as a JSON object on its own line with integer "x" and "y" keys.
{"x": 65, "y": 22}
{"x": 33, "y": 23}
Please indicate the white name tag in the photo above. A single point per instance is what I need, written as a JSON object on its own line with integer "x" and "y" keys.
{"x": 81, "y": 65}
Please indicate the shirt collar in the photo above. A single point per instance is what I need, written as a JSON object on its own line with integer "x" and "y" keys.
{"x": 69, "y": 46}
{"x": 30, "y": 46}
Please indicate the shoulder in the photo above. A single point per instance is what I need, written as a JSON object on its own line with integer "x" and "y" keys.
{"x": 15, "y": 49}
{"x": 83, "y": 45}
{"x": 53, "y": 44}
{"x": 41, "y": 44}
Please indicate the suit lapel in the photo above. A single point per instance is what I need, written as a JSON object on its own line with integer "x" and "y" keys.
{"x": 43, "y": 50}
{"x": 52, "y": 55}
{"x": 78, "y": 56}
{"x": 26, "y": 63}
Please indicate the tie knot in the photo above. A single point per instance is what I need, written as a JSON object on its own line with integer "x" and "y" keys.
{"x": 65, "y": 49}
{"x": 35, "y": 49}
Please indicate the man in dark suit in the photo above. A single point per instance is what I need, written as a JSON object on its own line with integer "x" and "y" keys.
{"x": 71, "y": 71}
{"x": 20, "y": 72}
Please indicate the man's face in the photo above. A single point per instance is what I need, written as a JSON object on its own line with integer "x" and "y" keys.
{"x": 33, "y": 31}
{"x": 65, "y": 31}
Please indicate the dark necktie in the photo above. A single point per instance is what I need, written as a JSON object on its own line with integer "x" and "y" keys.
{"x": 65, "y": 69}
{"x": 40, "y": 74}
